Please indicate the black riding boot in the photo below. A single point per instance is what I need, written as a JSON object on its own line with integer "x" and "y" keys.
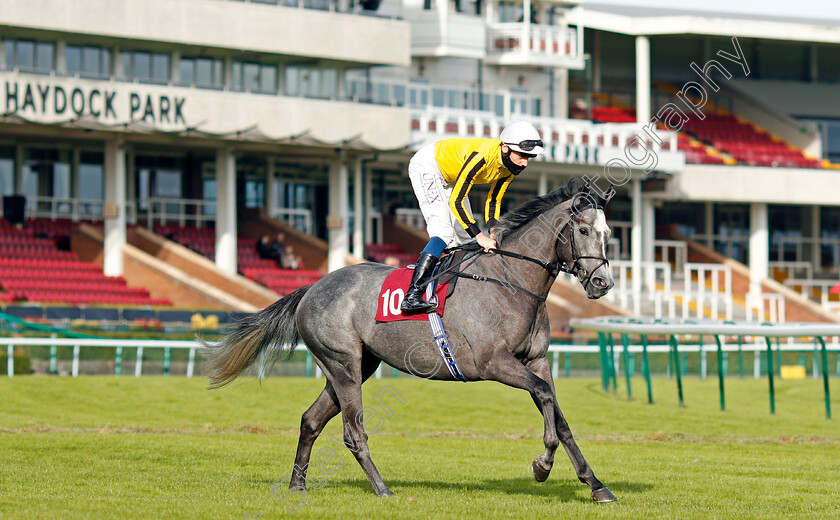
{"x": 413, "y": 302}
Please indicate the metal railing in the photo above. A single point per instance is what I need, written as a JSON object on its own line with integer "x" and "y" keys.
{"x": 77, "y": 210}
{"x": 611, "y": 356}
{"x": 181, "y": 211}
{"x": 300, "y": 219}
{"x": 119, "y": 344}
{"x": 541, "y": 40}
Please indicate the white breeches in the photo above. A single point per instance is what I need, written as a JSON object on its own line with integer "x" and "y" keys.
{"x": 433, "y": 194}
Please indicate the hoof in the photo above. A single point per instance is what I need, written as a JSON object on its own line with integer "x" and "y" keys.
{"x": 385, "y": 493}
{"x": 603, "y": 495}
{"x": 539, "y": 473}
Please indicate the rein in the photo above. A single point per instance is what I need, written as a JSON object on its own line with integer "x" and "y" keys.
{"x": 554, "y": 268}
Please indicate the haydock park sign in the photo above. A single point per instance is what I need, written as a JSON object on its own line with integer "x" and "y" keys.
{"x": 51, "y": 100}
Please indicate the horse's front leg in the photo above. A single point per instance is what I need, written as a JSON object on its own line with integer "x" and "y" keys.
{"x": 541, "y": 368}
{"x": 506, "y": 369}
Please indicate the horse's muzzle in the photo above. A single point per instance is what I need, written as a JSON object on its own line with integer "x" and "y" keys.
{"x": 598, "y": 286}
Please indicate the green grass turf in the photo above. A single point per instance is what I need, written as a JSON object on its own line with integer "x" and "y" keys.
{"x": 155, "y": 447}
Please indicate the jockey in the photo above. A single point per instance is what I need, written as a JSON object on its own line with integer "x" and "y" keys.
{"x": 442, "y": 174}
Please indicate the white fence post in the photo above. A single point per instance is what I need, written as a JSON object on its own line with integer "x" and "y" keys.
{"x": 76, "y": 351}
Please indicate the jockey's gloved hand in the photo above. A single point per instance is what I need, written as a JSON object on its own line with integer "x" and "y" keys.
{"x": 485, "y": 242}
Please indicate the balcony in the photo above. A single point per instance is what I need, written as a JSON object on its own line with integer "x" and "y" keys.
{"x": 534, "y": 45}
{"x": 244, "y": 27}
{"x": 453, "y": 34}
{"x": 571, "y": 141}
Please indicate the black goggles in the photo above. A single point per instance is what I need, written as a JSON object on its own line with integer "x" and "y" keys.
{"x": 528, "y": 145}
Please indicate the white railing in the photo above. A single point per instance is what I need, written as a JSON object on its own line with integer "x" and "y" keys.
{"x": 300, "y": 219}
{"x": 797, "y": 245}
{"x": 542, "y": 40}
{"x": 623, "y": 293}
{"x": 668, "y": 249}
{"x": 621, "y": 231}
{"x": 77, "y": 210}
{"x": 434, "y": 123}
{"x": 119, "y": 344}
{"x": 808, "y": 287}
{"x": 197, "y": 211}
{"x": 614, "y": 250}
{"x": 793, "y": 269}
{"x": 766, "y": 307}
{"x": 704, "y": 287}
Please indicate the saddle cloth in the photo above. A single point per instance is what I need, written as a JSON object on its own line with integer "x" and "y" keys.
{"x": 392, "y": 293}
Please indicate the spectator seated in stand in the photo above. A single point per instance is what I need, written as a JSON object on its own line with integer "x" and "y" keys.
{"x": 278, "y": 248}
{"x": 290, "y": 260}
{"x": 265, "y": 249}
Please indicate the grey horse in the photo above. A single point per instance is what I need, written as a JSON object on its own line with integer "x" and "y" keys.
{"x": 499, "y": 331}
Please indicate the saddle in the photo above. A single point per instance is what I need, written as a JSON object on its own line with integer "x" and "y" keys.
{"x": 450, "y": 257}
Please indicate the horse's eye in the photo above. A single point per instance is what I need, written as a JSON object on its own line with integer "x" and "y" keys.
{"x": 584, "y": 231}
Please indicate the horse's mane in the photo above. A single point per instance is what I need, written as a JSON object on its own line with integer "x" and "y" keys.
{"x": 514, "y": 219}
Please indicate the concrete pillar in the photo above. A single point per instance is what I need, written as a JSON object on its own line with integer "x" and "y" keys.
{"x": 648, "y": 237}
{"x": 561, "y": 86}
{"x": 816, "y": 231}
{"x": 596, "y": 61}
{"x": 175, "y": 67}
{"x": 61, "y": 57}
{"x": 115, "y": 218}
{"x": 2, "y": 53}
{"x": 131, "y": 183}
{"x": 368, "y": 185}
{"x": 117, "y": 63}
{"x": 75, "y": 178}
{"x": 642, "y": 79}
{"x": 759, "y": 246}
{"x": 636, "y": 235}
{"x": 337, "y": 219}
{"x": 542, "y": 187}
{"x": 227, "y": 73}
{"x": 270, "y": 188}
{"x": 20, "y": 158}
{"x": 358, "y": 210}
{"x": 709, "y": 230}
{"x": 226, "y": 210}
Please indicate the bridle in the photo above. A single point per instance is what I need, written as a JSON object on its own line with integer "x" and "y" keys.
{"x": 554, "y": 268}
{"x": 576, "y": 269}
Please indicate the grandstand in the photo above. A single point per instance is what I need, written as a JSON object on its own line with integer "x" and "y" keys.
{"x": 186, "y": 144}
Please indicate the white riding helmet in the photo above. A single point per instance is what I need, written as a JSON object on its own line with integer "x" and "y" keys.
{"x": 521, "y": 136}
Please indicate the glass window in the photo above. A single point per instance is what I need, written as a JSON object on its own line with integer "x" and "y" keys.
{"x": 145, "y": 66}
{"x": 73, "y": 56}
{"x": 88, "y": 61}
{"x": 204, "y": 71}
{"x": 91, "y": 181}
{"x": 292, "y": 81}
{"x": 91, "y": 61}
{"x": 25, "y": 55}
{"x": 251, "y": 76}
{"x": 160, "y": 67}
{"x": 268, "y": 78}
{"x": 255, "y": 77}
{"x": 10, "y": 53}
{"x": 437, "y": 97}
{"x": 7, "y": 171}
{"x": 187, "y": 75}
{"x": 44, "y": 56}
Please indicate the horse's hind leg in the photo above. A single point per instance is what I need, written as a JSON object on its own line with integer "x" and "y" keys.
{"x": 316, "y": 418}
{"x": 312, "y": 423}
{"x": 347, "y": 382}
{"x": 600, "y": 493}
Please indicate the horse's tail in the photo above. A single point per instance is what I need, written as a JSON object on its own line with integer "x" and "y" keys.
{"x": 272, "y": 331}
